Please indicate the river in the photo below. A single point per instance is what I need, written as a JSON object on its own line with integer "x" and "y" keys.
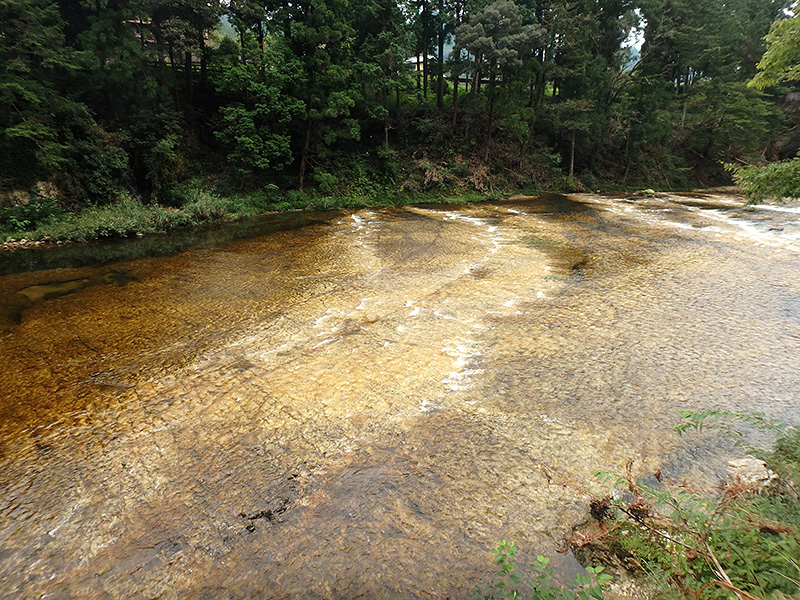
{"x": 362, "y": 404}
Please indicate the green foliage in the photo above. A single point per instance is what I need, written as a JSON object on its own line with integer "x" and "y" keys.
{"x": 208, "y": 207}
{"x": 33, "y": 109}
{"x": 778, "y": 180}
{"x": 105, "y": 98}
{"x": 719, "y": 120}
{"x": 124, "y": 218}
{"x": 727, "y": 421}
{"x": 781, "y": 61}
{"x": 784, "y": 458}
{"x": 327, "y": 182}
{"x": 709, "y": 547}
{"x": 587, "y": 586}
{"x": 497, "y": 38}
{"x": 26, "y": 216}
{"x": 153, "y": 146}
{"x": 130, "y": 217}
{"x": 255, "y": 124}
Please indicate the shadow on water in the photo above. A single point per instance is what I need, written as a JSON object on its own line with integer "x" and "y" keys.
{"x": 95, "y": 254}
{"x": 546, "y": 204}
{"x": 104, "y": 252}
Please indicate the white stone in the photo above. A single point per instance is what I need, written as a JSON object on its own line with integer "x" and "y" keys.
{"x": 749, "y": 472}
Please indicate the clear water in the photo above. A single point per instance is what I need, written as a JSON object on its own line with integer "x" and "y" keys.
{"x": 364, "y": 405}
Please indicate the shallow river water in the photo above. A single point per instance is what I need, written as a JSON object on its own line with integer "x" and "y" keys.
{"x": 364, "y": 405}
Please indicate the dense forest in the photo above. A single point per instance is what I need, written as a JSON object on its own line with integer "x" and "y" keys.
{"x": 101, "y": 99}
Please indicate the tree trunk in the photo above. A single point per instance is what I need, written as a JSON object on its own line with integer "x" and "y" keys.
{"x": 541, "y": 79}
{"x": 425, "y": 36}
{"x": 187, "y": 67}
{"x": 476, "y": 76}
{"x": 304, "y": 158}
{"x": 425, "y": 69}
{"x": 260, "y": 33}
{"x": 162, "y": 62}
{"x": 440, "y": 82}
{"x": 572, "y": 154}
{"x": 455, "y": 97}
{"x": 175, "y": 73}
{"x": 203, "y": 62}
{"x": 385, "y": 103}
{"x": 492, "y": 81}
{"x": 418, "y": 68}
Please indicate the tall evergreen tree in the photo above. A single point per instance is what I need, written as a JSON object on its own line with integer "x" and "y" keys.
{"x": 35, "y": 110}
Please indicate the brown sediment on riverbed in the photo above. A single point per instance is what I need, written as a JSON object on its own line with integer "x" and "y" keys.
{"x": 416, "y": 382}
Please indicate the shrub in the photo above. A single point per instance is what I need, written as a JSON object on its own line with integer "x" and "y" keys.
{"x": 26, "y": 216}
{"x": 778, "y": 180}
{"x": 508, "y": 581}
{"x": 126, "y": 217}
{"x": 208, "y": 207}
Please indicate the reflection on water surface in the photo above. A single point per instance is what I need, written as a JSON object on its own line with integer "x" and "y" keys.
{"x": 364, "y": 405}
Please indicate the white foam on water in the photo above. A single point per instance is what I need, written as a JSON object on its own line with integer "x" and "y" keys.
{"x": 324, "y": 342}
{"x": 443, "y": 316}
{"x": 784, "y": 209}
{"x": 428, "y": 406}
{"x": 454, "y": 216}
{"x": 363, "y": 306}
{"x": 753, "y": 232}
{"x": 464, "y": 351}
{"x": 318, "y": 323}
{"x": 677, "y": 225}
{"x": 67, "y": 517}
{"x": 460, "y": 380}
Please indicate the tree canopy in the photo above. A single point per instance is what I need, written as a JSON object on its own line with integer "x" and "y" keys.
{"x": 104, "y": 97}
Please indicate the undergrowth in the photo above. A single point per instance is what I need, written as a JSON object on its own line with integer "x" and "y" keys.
{"x": 510, "y": 585}
{"x": 742, "y": 542}
{"x": 188, "y": 205}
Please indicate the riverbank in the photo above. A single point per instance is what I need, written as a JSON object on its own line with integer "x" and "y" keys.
{"x": 669, "y": 539}
{"x": 37, "y": 223}
{"x": 40, "y": 220}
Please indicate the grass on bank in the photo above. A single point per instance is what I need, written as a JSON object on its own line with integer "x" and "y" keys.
{"x": 41, "y": 219}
